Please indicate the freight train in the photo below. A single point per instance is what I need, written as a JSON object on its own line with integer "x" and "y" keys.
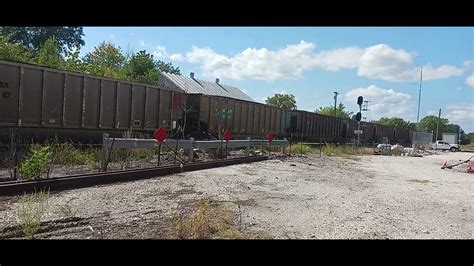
{"x": 40, "y": 102}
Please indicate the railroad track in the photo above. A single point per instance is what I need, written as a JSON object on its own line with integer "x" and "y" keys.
{"x": 77, "y": 181}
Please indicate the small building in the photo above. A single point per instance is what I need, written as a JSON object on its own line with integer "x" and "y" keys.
{"x": 451, "y": 138}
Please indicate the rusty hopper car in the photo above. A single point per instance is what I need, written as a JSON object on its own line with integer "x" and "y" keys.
{"x": 209, "y": 116}
{"x": 42, "y": 102}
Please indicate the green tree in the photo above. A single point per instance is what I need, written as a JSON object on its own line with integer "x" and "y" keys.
{"x": 50, "y": 54}
{"x": 470, "y": 137}
{"x": 105, "y": 60}
{"x": 106, "y": 55}
{"x": 68, "y": 38}
{"x": 428, "y": 124}
{"x": 73, "y": 62}
{"x": 396, "y": 122}
{"x": 167, "y": 67}
{"x": 286, "y": 101}
{"x": 14, "y": 52}
{"x": 340, "y": 111}
{"x": 142, "y": 68}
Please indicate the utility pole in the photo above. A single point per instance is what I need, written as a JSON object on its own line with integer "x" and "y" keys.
{"x": 437, "y": 126}
{"x": 335, "y": 102}
{"x": 419, "y": 101}
{"x": 419, "y": 95}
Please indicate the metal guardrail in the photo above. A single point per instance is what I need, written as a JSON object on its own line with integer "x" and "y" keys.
{"x": 187, "y": 145}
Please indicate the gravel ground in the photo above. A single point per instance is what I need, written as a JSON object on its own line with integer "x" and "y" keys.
{"x": 297, "y": 197}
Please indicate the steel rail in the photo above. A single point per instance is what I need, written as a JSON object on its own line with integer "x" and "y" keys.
{"x": 9, "y": 188}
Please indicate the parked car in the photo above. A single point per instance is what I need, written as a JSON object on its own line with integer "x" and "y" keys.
{"x": 442, "y": 145}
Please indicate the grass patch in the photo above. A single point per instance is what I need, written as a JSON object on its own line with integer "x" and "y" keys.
{"x": 423, "y": 181}
{"x": 207, "y": 223}
{"x": 298, "y": 148}
{"x": 333, "y": 150}
{"x": 468, "y": 147}
{"x": 31, "y": 209}
{"x": 196, "y": 225}
{"x": 65, "y": 210}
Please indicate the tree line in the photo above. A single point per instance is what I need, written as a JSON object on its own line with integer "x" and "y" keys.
{"x": 59, "y": 47}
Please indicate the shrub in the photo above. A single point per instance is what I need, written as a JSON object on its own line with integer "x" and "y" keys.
{"x": 67, "y": 154}
{"x": 36, "y": 164}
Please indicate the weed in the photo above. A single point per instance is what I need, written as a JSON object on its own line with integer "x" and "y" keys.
{"x": 333, "y": 150}
{"x": 196, "y": 225}
{"x": 65, "y": 210}
{"x": 67, "y": 154}
{"x": 31, "y": 209}
{"x": 298, "y": 148}
{"x": 36, "y": 164}
{"x": 203, "y": 223}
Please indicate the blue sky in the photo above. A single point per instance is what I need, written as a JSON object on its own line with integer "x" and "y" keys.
{"x": 380, "y": 63}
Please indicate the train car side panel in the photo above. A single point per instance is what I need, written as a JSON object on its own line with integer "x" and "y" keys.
{"x": 151, "y": 108}
{"x": 107, "y": 104}
{"x": 53, "y": 99}
{"x": 138, "y": 102}
{"x": 32, "y": 97}
{"x": 250, "y": 118}
{"x": 9, "y": 94}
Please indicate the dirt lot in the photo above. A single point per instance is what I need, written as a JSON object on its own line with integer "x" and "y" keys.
{"x": 329, "y": 197}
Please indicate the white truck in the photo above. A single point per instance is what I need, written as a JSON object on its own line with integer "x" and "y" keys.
{"x": 442, "y": 145}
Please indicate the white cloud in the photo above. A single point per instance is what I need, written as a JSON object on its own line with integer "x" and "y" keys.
{"x": 252, "y": 63}
{"x": 160, "y": 52}
{"x": 383, "y": 62}
{"x": 470, "y": 80}
{"x": 441, "y": 72}
{"x": 383, "y": 102}
{"x": 280, "y": 92}
{"x": 469, "y": 63}
{"x": 374, "y": 62}
{"x": 112, "y": 36}
{"x": 336, "y": 59}
{"x": 131, "y": 34}
{"x": 460, "y": 113}
{"x": 177, "y": 57}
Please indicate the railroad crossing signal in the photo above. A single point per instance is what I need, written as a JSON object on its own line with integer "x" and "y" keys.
{"x": 227, "y": 135}
{"x": 160, "y": 135}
